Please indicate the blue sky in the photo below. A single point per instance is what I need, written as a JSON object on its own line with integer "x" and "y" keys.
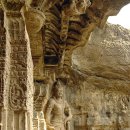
{"x": 123, "y": 17}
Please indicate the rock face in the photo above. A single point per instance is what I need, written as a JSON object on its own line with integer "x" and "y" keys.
{"x": 106, "y": 58}
{"x": 102, "y": 101}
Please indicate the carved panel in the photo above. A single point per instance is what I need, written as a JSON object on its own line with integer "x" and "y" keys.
{"x": 40, "y": 95}
{"x": 40, "y": 99}
{"x": 19, "y": 96}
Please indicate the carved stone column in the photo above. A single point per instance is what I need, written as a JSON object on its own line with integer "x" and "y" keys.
{"x": 40, "y": 98}
{"x": 35, "y": 20}
{"x": 3, "y": 66}
{"x": 18, "y": 98}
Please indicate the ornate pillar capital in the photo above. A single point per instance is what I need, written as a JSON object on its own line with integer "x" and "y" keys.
{"x": 12, "y": 5}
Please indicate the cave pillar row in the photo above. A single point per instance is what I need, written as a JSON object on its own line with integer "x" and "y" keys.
{"x": 17, "y": 76}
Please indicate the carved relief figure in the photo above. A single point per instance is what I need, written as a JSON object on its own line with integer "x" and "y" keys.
{"x": 57, "y": 113}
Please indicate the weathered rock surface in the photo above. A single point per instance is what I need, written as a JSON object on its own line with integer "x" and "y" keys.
{"x": 102, "y": 101}
{"x": 105, "y": 59}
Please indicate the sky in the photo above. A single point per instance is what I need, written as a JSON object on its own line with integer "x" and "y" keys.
{"x": 122, "y": 18}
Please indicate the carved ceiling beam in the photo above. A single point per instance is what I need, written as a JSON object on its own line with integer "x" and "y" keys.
{"x": 68, "y": 25}
{"x": 43, "y": 5}
{"x": 96, "y": 15}
{"x": 52, "y": 37}
{"x": 69, "y": 10}
{"x": 58, "y": 34}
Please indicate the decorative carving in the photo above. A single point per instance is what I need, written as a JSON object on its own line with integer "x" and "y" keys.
{"x": 40, "y": 95}
{"x": 40, "y": 99}
{"x": 58, "y": 113}
{"x": 34, "y": 20}
{"x": 18, "y": 88}
{"x": 71, "y": 9}
{"x": 38, "y": 121}
{"x": 56, "y": 28}
{"x": 20, "y": 65}
{"x": 14, "y": 20}
{"x": 52, "y": 37}
{"x": 15, "y": 25}
{"x": 17, "y": 96}
{"x": 13, "y": 5}
{"x": 44, "y": 5}
{"x": 68, "y": 24}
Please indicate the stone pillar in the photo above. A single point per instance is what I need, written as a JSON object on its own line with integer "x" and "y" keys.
{"x": 40, "y": 98}
{"x": 2, "y": 65}
{"x": 35, "y": 20}
{"x": 18, "y": 91}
